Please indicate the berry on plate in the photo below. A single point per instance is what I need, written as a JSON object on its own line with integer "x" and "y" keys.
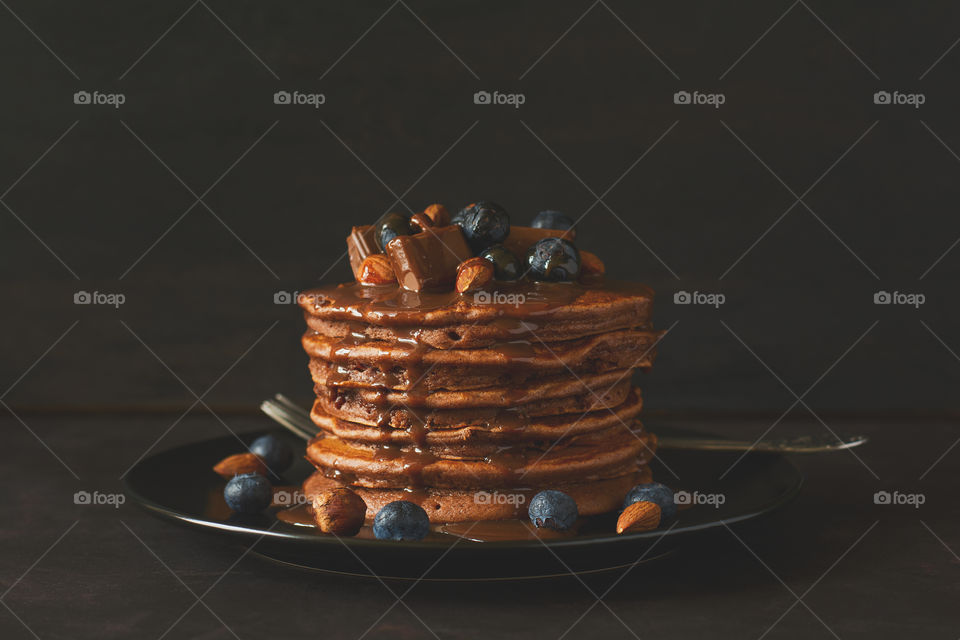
{"x": 248, "y": 493}
{"x": 274, "y": 451}
{"x": 655, "y": 492}
{"x": 553, "y": 510}
{"x": 401, "y": 520}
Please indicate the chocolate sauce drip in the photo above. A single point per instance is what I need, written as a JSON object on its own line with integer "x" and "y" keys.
{"x": 392, "y": 305}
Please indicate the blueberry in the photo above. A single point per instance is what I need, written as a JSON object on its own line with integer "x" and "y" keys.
{"x": 505, "y": 264}
{"x": 401, "y": 520}
{"x": 484, "y": 224}
{"x": 553, "y": 259}
{"x": 553, "y": 509}
{"x": 390, "y": 226}
{"x": 654, "y": 492}
{"x": 248, "y": 493}
{"x": 552, "y": 220}
{"x": 276, "y": 453}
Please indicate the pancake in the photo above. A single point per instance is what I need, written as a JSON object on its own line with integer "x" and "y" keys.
{"x": 348, "y": 406}
{"x": 434, "y": 378}
{"x": 491, "y": 449}
{"x": 537, "y": 389}
{"x": 474, "y": 335}
{"x": 408, "y": 363}
{"x": 517, "y": 428}
{"x": 458, "y": 505}
{"x": 609, "y": 453}
{"x": 562, "y": 305}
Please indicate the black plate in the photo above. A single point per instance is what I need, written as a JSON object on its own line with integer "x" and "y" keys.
{"x": 179, "y": 484}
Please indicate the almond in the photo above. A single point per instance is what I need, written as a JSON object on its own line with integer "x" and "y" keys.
{"x": 591, "y": 265}
{"x": 239, "y": 464}
{"x": 377, "y": 269}
{"x": 474, "y": 274}
{"x": 639, "y": 516}
{"x": 339, "y": 511}
{"x": 439, "y": 214}
{"x": 422, "y": 221}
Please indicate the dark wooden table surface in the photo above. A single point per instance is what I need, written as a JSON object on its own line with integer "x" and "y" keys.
{"x": 831, "y": 563}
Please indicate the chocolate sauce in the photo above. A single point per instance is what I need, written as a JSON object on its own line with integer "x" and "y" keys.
{"x": 413, "y": 460}
{"x": 300, "y": 515}
{"x": 391, "y": 305}
{"x": 483, "y": 531}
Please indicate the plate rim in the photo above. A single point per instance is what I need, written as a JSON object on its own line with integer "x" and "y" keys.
{"x": 244, "y": 531}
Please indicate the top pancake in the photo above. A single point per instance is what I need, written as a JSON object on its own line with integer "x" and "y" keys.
{"x": 566, "y": 309}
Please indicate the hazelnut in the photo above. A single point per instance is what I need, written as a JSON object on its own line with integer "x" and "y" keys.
{"x": 339, "y": 511}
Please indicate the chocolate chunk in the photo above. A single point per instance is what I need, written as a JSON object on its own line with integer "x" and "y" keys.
{"x": 428, "y": 260}
{"x": 361, "y": 243}
{"x": 522, "y": 238}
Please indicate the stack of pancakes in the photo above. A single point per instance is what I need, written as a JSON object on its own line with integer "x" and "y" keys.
{"x": 470, "y": 404}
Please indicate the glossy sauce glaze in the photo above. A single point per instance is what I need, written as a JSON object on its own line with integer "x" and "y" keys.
{"x": 512, "y": 302}
{"x": 483, "y": 531}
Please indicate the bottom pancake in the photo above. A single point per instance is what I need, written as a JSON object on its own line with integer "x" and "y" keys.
{"x": 457, "y": 505}
{"x": 599, "y": 455}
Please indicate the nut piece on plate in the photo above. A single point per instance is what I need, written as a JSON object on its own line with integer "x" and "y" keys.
{"x": 474, "y": 274}
{"x": 361, "y": 242}
{"x": 376, "y": 269}
{"x": 240, "y": 464}
{"x": 591, "y": 265}
{"x": 428, "y": 260}
{"x": 439, "y": 214}
{"x": 639, "y": 516}
{"x": 339, "y": 511}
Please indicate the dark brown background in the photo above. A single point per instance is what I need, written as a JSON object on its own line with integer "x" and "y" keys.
{"x": 399, "y": 100}
{"x": 84, "y": 214}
